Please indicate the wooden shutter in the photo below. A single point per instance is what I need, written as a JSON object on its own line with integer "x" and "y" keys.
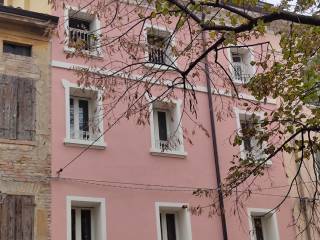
{"x": 17, "y": 217}
{"x": 8, "y": 106}
{"x": 26, "y": 109}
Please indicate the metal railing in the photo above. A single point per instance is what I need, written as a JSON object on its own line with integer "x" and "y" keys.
{"x": 81, "y": 38}
{"x": 240, "y": 73}
{"x": 157, "y": 55}
{"x": 84, "y": 135}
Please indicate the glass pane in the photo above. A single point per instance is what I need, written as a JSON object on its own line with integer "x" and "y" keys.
{"x": 85, "y": 224}
{"x": 162, "y": 125}
{"x": 161, "y": 227}
{"x": 17, "y": 49}
{"x": 71, "y": 117}
{"x": 257, "y": 221}
{"x": 84, "y": 119}
{"x": 73, "y": 224}
{"x": 171, "y": 227}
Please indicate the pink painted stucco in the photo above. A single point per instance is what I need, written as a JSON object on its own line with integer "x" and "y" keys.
{"x": 130, "y": 213}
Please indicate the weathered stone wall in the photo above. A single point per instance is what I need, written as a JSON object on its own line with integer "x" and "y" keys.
{"x": 25, "y": 165}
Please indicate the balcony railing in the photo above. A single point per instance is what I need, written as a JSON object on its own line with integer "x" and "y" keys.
{"x": 81, "y": 38}
{"x": 157, "y": 55}
{"x": 84, "y": 135}
{"x": 240, "y": 73}
{"x": 167, "y": 146}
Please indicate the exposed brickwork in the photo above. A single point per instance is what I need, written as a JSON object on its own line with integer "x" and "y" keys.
{"x": 25, "y": 165}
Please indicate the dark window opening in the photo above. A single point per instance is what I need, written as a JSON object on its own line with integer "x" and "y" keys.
{"x": 84, "y": 118}
{"x": 171, "y": 227}
{"x": 73, "y": 224}
{"x": 79, "y": 24}
{"x": 162, "y": 125}
{"x": 85, "y": 224}
{"x": 17, "y": 49}
{"x": 257, "y": 222}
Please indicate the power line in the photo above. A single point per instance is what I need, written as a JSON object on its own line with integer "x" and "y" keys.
{"x": 155, "y": 187}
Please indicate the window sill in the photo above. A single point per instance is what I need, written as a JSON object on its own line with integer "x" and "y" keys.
{"x": 18, "y": 142}
{"x": 239, "y": 82}
{"x": 175, "y": 154}
{"x": 86, "y": 52}
{"x": 84, "y": 143}
{"x": 159, "y": 67}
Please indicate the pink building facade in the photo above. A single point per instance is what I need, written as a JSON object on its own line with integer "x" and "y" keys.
{"x": 123, "y": 185}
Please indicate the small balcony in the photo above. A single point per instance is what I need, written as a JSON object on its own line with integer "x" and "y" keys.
{"x": 81, "y": 38}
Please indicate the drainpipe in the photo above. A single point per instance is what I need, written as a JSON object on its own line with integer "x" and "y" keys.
{"x": 303, "y": 202}
{"x": 214, "y": 144}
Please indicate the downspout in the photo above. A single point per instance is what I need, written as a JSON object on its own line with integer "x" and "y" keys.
{"x": 303, "y": 202}
{"x": 214, "y": 143}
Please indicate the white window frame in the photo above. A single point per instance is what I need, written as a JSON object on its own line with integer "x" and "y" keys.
{"x": 172, "y": 44}
{"x": 246, "y": 50}
{"x": 179, "y": 153}
{"x": 238, "y": 112}
{"x": 269, "y": 223}
{"x": 100, "y": 143}
{"x": 98, "y": 227}
{"x": 182, "y": 220}
{"x": 97, "y": 25}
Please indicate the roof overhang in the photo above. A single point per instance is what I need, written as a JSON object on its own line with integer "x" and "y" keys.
{"x": 27, "y": 21}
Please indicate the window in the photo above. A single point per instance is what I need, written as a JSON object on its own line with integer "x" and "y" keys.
{"x": 263, "y": 225}
{"x": 83, "y": 30}
{"x": 84, "y": 111}
{"x": 241, "y": 68}
{"x": 247, "y": 130}
{"x": 86, "y": 218}
{"x": 159, "y": 49}
{"x": 247, "y": 125}
{"x": 173, "y": 221}
{"x": 17, "y": 216}
{"x": 81, "y": 222}
{"x": 79, "y": 118}
{"x": 166, "y": 128}
{"x": 17, "y": 107}
{"x": 17, "y": 49}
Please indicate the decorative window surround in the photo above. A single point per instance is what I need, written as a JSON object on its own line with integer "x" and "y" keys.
{"x": 94, "y": 24}
{"x": 173, "y": 107}
{"x": 238, "y": 113}
{"x": 223, "y": 92}
{"x": 163, "y": 31}
{"x": 99, "y": 144}
{"x": 182, "y": 219}
{"x": 269, "y": 223}
{"x": 245, "y": 69}
{"x": 98, "y": 215}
